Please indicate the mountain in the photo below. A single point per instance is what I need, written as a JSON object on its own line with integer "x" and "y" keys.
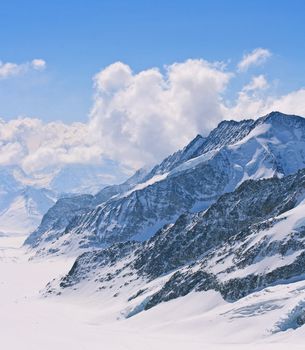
{"x": 247, "y": 243}
{"x": 66, "y": 209}
{"x": 189, "y": 181}
{"x": 21, "y": 206}
{"x": 24, "y": 198}
{"x": 78, "y": 178}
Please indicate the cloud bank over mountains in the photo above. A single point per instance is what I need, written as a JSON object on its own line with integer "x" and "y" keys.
{"x": 139, "y": 118}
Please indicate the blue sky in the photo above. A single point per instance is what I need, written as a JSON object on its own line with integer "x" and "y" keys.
{"x": 79, "y": 38}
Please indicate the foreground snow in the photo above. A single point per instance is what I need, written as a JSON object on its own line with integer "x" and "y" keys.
{"x": 87, "y": 321}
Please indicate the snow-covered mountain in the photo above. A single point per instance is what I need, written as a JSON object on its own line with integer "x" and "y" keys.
{"x": 21, "y": 206}
{"x": 66, "y": 209}
{"x": 24, "y": 198}
{"x": 78, "y": 178}
{"x": 248, "y": 240}
{"x": 189, "y": 181}
{"x": 212, "y": 238}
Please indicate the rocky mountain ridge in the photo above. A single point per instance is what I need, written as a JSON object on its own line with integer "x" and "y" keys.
{"x": 189, "y": 181}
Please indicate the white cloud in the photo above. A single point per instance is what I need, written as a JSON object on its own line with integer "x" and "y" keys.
{"x": 113, "y": 78}
{"x": 292, "y": 103}
{"x": 140, "y": 118}
{"x": 136, "y": 119}
{"x": 10, "y": 69}
{"x": 254, "y": 58}
{"x": 257, "y": 83}
{"x": 38, "y": 64}
{"x": 11, "y": 153}
{"x": 250, "y": 105}
{"x": 35, "y": 146}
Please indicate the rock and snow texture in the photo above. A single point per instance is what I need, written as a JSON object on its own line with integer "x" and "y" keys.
{"x": 188, "y": 181}
{"x": 249, "y": 240}
{"x": 66, "y": 210}
{"x": 86, "y": 320}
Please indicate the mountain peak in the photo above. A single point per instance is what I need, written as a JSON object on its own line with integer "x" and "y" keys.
{"x": 282, "y": 118}
{"x": 226, "y": 122}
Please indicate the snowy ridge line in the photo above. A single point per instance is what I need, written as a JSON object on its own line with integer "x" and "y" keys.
{"x": 190, "y": 180}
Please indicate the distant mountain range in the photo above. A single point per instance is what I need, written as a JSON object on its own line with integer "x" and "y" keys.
{"x": 25, "y": 199}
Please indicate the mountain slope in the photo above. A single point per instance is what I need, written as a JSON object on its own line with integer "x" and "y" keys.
{"x": 66, "y": 210}
{"x": 250, "y": 239}
{"x": 80, "y": 319}
{"x": 188, "y": 181}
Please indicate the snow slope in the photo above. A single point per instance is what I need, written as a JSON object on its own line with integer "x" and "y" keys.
{"x": 89, "y": 321}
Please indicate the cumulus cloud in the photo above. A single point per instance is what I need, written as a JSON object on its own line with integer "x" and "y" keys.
{"x": 113, "y": 78}
{"x": 254, "y": 58}
{"x": 292, "y": 103}
{"x": 10, "y": 69}
{"x": 38, "y": 64}
{"x": 139, "y": 118}
{"x": 136, "y": 119}
{"x": 249, "y": 105}
{"x": 142, "y": 117}
{"x": 35, "y": 146}
{"x": 257, "y": 83}
{"x": 11, "y": 153}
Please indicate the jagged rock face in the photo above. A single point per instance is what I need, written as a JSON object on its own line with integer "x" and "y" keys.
{"x": 126, "y": 217}
{"x": 253, "y": 202}
{"x": 67, "y": 210}
{"x": 249, "y": 239}
{"x": 189, "y": 181}
{"x": 227, "y": 132}
{"x": 59, "y": 216}
{"x": 233, "y": 233}
{"x": 92, "y": 261}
